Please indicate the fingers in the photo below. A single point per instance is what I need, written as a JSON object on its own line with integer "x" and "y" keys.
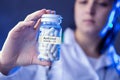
{"x": 32, "y": 20}
{"x": 22, "y": 26}
{"x": 38, "y": 62}
{"x": 37, "y": 15}
{"x": 50, "y": 12}
{"x": 53, "y": 12}
{"x": 36, "y": 27}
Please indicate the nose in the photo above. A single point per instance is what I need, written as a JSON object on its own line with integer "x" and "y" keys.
{"x": 91, "y": 9}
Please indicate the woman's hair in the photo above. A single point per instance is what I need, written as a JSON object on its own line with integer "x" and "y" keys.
{"x": 72, "y": 25}
{"x": 107, "y": 39}
{"x": 115, "y": 1}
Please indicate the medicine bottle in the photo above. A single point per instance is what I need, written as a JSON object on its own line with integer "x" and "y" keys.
{"x": 49, "y": 37}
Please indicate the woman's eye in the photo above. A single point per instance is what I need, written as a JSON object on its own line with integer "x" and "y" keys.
{"x": 82, "y": 1}
{"x": 103, "y": 4}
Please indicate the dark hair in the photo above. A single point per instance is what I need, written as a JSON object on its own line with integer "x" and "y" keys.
{"x": 72, "y": 25}
{"x": 108, "y": 38}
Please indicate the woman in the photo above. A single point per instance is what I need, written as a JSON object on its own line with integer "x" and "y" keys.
{"x": 80, "y": 58}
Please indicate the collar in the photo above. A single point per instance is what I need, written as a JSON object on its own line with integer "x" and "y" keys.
{"x": 102, "y": 61}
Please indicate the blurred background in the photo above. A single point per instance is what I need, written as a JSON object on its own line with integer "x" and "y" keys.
{"x": 13, "y": 11}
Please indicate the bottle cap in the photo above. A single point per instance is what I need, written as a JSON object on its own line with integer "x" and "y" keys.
{"x": 51, "y": 18}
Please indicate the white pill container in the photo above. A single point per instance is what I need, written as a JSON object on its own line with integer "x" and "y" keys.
{"x": 49, "y": 37}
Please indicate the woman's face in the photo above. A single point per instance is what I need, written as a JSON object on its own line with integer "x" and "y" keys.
{"x": 91, "y": 15}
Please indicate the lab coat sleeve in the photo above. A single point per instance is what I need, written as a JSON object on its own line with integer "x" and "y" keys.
{"x": 12, "y": 76}
{"x": 32, "y": 72}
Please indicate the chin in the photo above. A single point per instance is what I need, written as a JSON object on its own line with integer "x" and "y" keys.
{"x": 91, "y": 29}
{"x": 92, "y": 32}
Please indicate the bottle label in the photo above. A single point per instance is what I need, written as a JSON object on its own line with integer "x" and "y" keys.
{"x": 50, "y": 40}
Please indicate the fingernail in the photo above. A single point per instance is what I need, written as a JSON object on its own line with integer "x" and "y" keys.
{"x": 53, "y": 12}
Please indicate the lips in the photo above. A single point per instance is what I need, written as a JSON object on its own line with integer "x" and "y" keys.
{"x": 90, "y": 21}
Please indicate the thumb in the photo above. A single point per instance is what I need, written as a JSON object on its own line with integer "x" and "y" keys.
{"x": 38, "y": 62}
{"x": 37, "y": 25}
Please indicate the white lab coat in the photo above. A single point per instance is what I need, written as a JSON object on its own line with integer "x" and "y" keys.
{"x": 73, "y": 65}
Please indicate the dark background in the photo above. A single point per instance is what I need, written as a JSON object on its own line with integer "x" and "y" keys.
{"x": 13, "y": 11}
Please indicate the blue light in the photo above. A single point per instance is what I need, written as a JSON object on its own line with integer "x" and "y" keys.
{"x": 110, "y": 25}
{"x": 115, "y": 58}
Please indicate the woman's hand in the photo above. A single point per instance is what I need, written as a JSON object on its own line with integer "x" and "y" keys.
{"x": 20, "y": 47}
